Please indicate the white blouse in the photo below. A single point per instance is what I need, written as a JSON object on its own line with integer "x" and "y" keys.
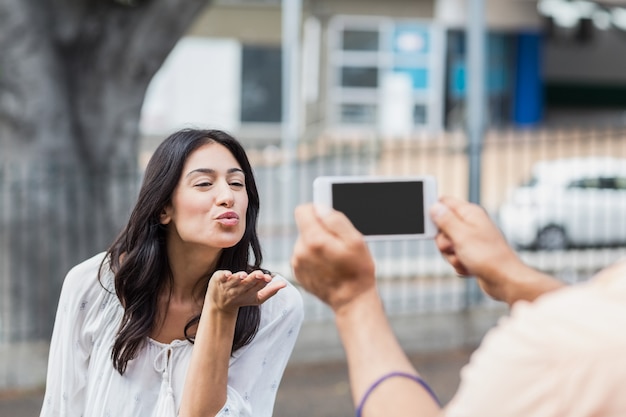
{"x": 82, "y": 381}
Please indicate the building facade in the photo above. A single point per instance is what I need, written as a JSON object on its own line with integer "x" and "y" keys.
{"x": 396, "y": 68}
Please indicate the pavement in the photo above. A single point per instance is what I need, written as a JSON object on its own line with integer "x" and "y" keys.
{"x": 318, "y": 389}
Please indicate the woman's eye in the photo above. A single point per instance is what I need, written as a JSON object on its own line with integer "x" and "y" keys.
{"x": 203, "y": 184}
{"x": 236, "y": 184}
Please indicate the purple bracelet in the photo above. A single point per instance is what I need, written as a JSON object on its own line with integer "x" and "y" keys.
{"x": 380, "y": 380}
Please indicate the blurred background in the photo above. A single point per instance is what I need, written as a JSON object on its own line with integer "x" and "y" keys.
{"x": 518, "y": 105}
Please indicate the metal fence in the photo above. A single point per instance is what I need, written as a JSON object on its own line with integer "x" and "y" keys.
{"x": 46, "y": 226}
{"x": 412, "y": 275}
{"x": 38, "y": 207}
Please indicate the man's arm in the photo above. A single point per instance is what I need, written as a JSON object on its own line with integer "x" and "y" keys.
{"x": 332, "y": 261}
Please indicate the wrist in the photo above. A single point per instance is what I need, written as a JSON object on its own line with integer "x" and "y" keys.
{"x": 503, "y": 276}
{"x": 516, "y": 279}
{"x": 363, "y": 305}
{"x": 526, "y": 283}
{"x": 219, "y": 313}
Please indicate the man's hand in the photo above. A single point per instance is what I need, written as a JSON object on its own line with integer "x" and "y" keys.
{"x": 474, "y": 246}
{"x": 330, "y": 258}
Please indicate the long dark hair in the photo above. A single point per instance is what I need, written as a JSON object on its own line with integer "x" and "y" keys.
{"x": 138, "y": 256}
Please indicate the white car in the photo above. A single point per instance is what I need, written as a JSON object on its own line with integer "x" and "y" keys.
{"x": 577, "y": 202}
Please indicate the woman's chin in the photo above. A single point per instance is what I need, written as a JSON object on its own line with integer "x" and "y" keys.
{"x": 228, "y": 242}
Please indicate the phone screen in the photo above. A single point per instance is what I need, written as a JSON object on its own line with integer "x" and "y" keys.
{"x": 382, "y": 208}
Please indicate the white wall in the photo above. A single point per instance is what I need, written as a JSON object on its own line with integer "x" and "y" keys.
{"x": 197, "y": 86}
{"x": 499, "y": 14}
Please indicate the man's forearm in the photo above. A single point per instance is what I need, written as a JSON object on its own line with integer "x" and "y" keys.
{"x": 526, "y": 283}
{"x": 373, "y": 351}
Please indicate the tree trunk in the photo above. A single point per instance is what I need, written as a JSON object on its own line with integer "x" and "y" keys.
{"x": 73, "y": 74}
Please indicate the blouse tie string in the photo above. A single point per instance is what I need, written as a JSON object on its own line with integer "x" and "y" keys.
{"x": 166, "y": 406}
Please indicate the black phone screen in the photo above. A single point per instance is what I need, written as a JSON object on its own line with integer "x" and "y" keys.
{"x": 382, "y": 208}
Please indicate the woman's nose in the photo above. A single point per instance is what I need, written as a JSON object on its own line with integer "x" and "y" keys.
{"x": 225, "y": 196}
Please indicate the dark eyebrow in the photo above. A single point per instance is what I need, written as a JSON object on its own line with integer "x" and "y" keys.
{"x": 212, "y": 171}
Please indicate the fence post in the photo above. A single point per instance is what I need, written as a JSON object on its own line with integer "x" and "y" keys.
{"x": 475, "y": 112}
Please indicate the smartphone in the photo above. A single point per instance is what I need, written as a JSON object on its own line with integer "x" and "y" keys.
{"x": 380, "y": 207}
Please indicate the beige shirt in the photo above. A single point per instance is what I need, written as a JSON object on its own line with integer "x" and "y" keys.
{"x": 562, "y": 355}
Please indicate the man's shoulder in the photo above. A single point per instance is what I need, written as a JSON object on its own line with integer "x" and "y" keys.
{"x": 583, "y": 317}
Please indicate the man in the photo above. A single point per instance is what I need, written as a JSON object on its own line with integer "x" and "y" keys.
{"x": 559, "y": 353}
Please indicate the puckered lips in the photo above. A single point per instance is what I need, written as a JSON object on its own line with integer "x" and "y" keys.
{"x": 229, "y": 218}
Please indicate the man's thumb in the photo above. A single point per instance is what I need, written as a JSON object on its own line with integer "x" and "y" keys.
{"x": 443, "y": 217}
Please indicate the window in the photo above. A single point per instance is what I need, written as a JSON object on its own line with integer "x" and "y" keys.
{"x": 261, "y": 85}
{"x": 586, "y": 183}
{"x": 499, "y": 72}
{"x": 360, "y": 40}
{"x": 359, "y": 77}
{"x": 384, "y": 72}
{"x": 358, "y": 113}
{"x": 420, "y": 115}
{"x": 620, "y": 183}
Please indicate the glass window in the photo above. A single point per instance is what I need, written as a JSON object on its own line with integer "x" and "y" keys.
{"x": 607, "y": 183}
{"x": 620, "y": 183}
{"x": 420, "y": 114}
{"x": 499, "y": 70}
{"x": 531, "y": 182}
{"x": 586, "y": 183}
{"x": 359, "y": 77}
{"x": 261, "y": 85}
{"x": 360, "y": 40}
{"x": 358, "y": 113}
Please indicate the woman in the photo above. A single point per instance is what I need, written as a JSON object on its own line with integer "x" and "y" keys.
{"x": 173, "y": 319}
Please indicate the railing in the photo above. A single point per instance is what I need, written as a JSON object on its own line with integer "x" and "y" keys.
{"x": 46, "y": 226}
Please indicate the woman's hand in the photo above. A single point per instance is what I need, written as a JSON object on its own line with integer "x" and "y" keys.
{"x": 228, "y": 291}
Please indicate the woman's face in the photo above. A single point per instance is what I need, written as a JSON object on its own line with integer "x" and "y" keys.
{"x": 209, "y": 204}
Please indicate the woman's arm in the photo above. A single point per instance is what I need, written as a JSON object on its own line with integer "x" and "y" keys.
{"x": 205, "y": 390}
{"x": 256, "y": 370}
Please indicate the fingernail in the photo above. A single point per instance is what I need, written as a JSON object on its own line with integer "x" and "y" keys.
{"x": 437, "y": 210}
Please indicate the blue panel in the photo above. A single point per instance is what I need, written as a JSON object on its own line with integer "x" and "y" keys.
{"x": 497, "y": 74}
{"x": 411, "y": 39}
{"x": 457, "y": 79}
{"x": 419, "y": 76}
{"x": 528, "y": 96}
{"x": 498, "y": 65}
{"x": 497, "y": 81}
